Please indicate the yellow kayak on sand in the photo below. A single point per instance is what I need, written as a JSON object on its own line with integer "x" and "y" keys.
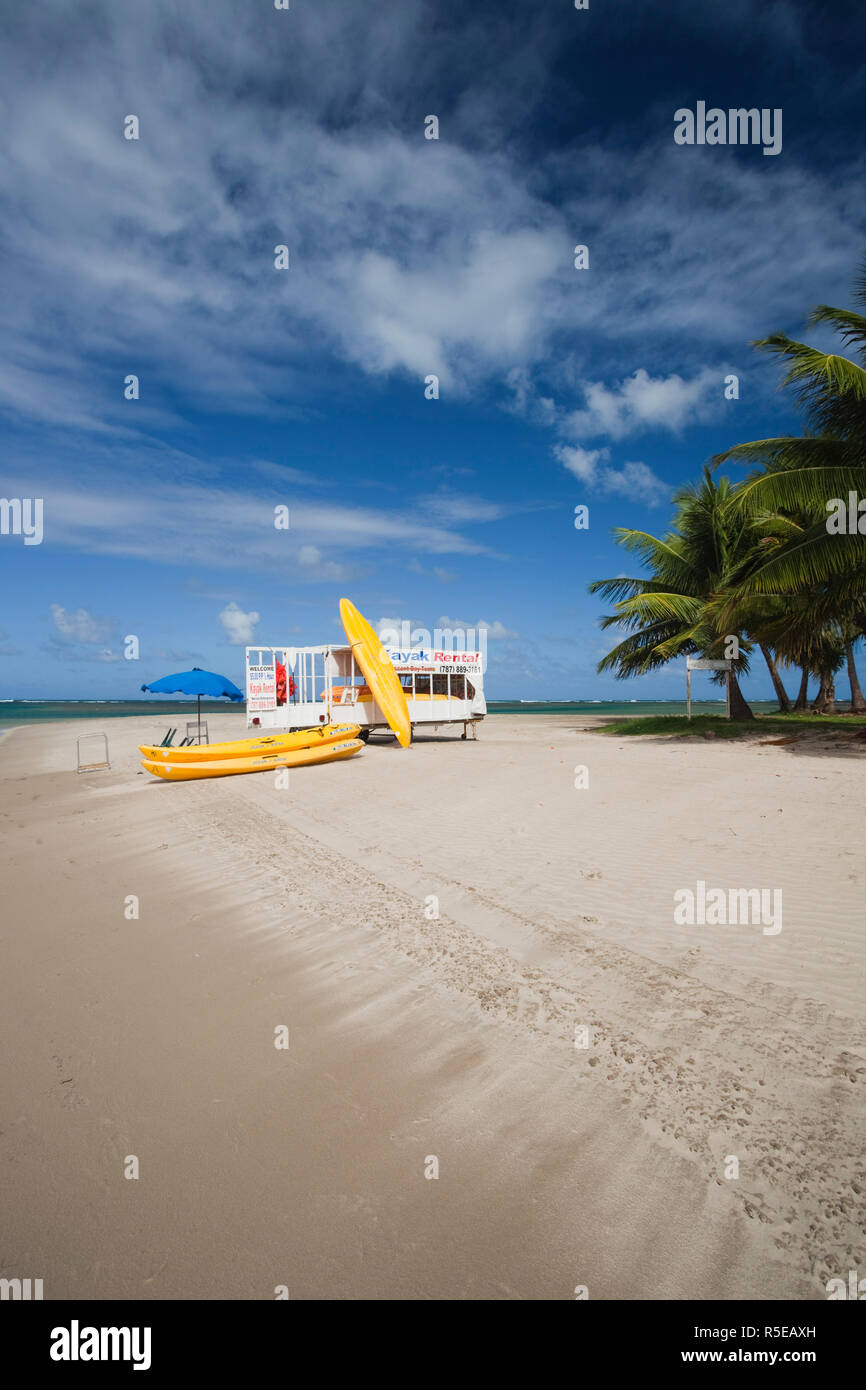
{"x": 230, "y": 767}
{"x": 378, "y": 670}
{"x": 252, "y": 747}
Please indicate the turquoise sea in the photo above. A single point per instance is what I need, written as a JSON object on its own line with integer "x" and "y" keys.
{"x": 633, "y": 707}
{"x": 13, "y": 712}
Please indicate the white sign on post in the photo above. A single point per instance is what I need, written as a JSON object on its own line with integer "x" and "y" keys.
{"x": 701, "y": 663}
{"x": 261, "y": 688}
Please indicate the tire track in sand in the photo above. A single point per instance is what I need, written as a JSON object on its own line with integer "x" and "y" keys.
{"x": 708, "y": 1073}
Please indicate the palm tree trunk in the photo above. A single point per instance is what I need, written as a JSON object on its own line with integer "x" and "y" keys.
{"x": 739, "y": 707}
{"x": 803, "y": 693}
{"x": 858, "y": 701}
{"x": 825, "y": 700}
{"x": 781, "y": 693}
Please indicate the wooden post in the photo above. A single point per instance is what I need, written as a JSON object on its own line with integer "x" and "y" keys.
{"x": 704, "y": 664}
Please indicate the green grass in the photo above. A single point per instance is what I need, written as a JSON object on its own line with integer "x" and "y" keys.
{"x": 763, "y": 725}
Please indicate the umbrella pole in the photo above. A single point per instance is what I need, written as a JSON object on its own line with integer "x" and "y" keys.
{"x": 198, "y": 702}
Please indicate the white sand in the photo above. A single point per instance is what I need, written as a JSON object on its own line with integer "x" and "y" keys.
{"x": 413, "y": 1037}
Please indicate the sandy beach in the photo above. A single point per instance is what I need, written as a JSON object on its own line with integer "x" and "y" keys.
{"x": 414, "y": 1037}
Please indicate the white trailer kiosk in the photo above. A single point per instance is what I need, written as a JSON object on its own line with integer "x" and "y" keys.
{"x": 299, "y": 687}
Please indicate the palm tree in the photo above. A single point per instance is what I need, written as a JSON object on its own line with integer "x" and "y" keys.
{"x": 675, "y": 611}
{"x": 801, "y": 475}
{"x": 803, "y": 693}
{"x": 828, "y": 658}
{"x": 800, "y": 629}
{"x": 858, "y": 699}
{"x": 793, "y": 634}
{"x": 771, "y": 658}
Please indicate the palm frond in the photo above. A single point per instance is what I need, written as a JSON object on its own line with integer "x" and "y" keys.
{"x": 815, "y": 370}
{"x": 789, "y": 451}
{"x": 660, "y": 607}
{"x": 799, "y": 489}
{"x": 851, "y": 327}
{"x": 814, "y": 558}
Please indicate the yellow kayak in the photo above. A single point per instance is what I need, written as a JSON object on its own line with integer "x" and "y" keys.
{"x": 252, "y": 747}
{"x": 378, "y": 670}
{"x": 230, "y": 767}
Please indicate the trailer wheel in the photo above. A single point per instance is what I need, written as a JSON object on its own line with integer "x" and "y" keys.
{"x": 364, "y": 735}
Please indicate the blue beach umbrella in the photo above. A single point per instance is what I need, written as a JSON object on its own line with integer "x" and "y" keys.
{"x": 196, "y": 682}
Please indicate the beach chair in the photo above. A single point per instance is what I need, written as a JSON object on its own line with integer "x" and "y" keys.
{"x": 166, "y": 742}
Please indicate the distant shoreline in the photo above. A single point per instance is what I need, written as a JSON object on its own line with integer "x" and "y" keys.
{"x": 26, "y": 713}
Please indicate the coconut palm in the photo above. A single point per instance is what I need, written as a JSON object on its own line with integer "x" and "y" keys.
{"x": 675, "y": 611}
{"x": 828, "y": 659}
{"x": 850, "y": 635}
{"x": 801, "y": 628}
{"x": 801, "y": 475}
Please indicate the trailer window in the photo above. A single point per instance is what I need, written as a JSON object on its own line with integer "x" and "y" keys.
{"x": 458, "y": 687}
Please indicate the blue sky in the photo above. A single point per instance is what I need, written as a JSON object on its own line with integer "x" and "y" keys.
{"x": 408, "y": 257}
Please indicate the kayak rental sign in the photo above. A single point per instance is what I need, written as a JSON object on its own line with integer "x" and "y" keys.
{"x": 261, "y": 687}
{"x": 436, "y": 663}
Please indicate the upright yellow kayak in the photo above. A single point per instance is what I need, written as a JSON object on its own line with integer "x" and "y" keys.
{"x": 252, "y": 747}
{"x": 230, "y": 767}
{"x": 378, "y": 670}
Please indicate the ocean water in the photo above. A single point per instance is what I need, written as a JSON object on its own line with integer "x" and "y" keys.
{"x": 633, "y": 707}
{"x": 14, "y": 712}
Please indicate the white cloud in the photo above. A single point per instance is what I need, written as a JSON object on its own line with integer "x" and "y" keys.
{"x": 465, "y": 267}
{"x": 80, "y": 626}
{"x": 583, "y": 463}
{"x": 635, "y": 480}
{"x": 444, "y": 576}
{"x": 239, "y": 627}
{"x": 526, "y": 401}
{"x": 165, "y": 519}
{"x": 317, "y": 568}
{"x": 636, "y": 404}
{"x": 459, "y": 508}
{"x": 642, "y": 402}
